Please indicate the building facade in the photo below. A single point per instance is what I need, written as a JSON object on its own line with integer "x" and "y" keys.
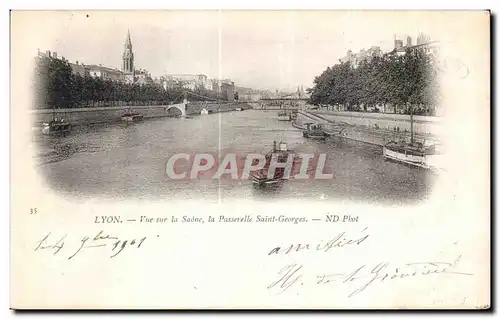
{"x": 129, "y": 74}
{"x": 224, "y": 87}
{"x": 227, "y": 90}
{"x": 423, "y": 38}
{"x": 355, "y": 59}
{"x": 189, "y": 81}
{"x": 424, "y": 42}
{"x": 400, "y": 46}
{"x": 80, "y": 69}
{"x": 250, "y": 97}
{"x": 105, "y": 73}
{"x": 142, "y": 76}
{"x": 76, "y": 68}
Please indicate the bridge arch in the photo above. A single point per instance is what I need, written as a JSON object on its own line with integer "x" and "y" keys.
{"x": 177, "y": 107}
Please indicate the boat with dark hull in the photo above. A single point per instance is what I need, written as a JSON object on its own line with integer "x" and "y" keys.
{"x": 261, "y": 177}
{"x": 314, "y": 131}
{"x": 55, "y": 127}
{"x": 319, "y": 130}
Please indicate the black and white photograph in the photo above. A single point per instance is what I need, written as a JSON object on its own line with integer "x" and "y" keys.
{"x": 126, "y": 111}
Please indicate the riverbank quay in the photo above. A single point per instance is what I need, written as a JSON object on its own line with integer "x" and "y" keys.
{"x": 111, "y": 114}
{"x": 376, "y": 128}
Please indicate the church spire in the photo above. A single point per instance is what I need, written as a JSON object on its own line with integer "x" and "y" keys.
{"x": 128, "y": 58}
{"x": 128, "y": 42}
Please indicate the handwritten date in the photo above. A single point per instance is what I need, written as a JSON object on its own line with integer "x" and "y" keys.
{"x": 102, "y": 239}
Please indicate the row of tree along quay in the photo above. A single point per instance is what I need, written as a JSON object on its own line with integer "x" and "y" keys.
{"x": 56, "y": 86}
{"x": 408, "y": 83}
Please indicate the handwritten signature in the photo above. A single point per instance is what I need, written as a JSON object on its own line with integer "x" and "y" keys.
{"x": 102, "y": 239}
{"x": 363, "y": 276}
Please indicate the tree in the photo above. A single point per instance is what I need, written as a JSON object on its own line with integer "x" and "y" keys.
{"x": 55, "y": 86}
{"x": 402, "y": 80}
{"x": 53, "y": 83}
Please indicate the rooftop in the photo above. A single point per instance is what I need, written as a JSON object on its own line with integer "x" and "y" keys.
{"x": 186, "y": 74}
{"x": 104, "y": 68}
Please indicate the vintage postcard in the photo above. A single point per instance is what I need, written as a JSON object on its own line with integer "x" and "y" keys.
{"x": 250, "y": 159}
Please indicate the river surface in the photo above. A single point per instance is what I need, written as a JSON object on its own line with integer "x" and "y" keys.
{"x": 122, "y": 161}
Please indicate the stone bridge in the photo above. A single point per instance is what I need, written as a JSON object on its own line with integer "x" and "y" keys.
{"x": 176, "y": 108}
{"x": 191, "y": 108}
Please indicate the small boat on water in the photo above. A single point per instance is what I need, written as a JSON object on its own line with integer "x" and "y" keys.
{"x": 414, "y": 153}
{"x": 284, "y": 116}
{"x": 314, "y": 131}
{"x": 131, "y": 117}
{"x": 261, "y": 177}
{"x": 55, "y": 126}
{"x": 238, "y": 109}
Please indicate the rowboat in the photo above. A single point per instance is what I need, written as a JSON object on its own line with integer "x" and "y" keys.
{"x": 131, "y": 117}
{"x": 55, "y": 127}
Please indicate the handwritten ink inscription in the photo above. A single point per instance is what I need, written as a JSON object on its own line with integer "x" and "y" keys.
{"x": 340, "y": 240}
{"x": 358, "y": 279}
{"x": 355, "y": 279}
{"x": 113, "y": 244}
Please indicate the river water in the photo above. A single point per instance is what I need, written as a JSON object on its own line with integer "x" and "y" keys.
{"x": 128, "y": 161}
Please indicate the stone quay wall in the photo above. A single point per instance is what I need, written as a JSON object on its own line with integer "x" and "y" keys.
{"x": 93, "y": 115}
{"x": 377, "y": 128}
{"x": 421, "y": 124}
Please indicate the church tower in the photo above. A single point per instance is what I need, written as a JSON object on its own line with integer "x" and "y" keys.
{"x": 128, "y": 60}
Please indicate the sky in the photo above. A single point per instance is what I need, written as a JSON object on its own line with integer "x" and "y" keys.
{"x": 256, "y": 49}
